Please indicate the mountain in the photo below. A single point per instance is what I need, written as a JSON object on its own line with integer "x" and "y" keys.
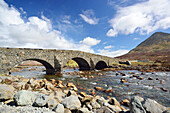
{"x": 159, "y": 41}
{"x": 155, "y": 48}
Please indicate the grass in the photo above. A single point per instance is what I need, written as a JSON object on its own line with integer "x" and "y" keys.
{"x": 72, "y": 63}
{"x": 138, "y": 63}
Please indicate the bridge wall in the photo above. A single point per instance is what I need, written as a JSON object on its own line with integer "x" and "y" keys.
{"x": 53, "y": 60}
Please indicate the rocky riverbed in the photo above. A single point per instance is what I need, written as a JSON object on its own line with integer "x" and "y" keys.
{"x": 29, "y": 95}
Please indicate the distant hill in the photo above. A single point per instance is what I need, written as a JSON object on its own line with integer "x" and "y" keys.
{"x": 155, "y": 48}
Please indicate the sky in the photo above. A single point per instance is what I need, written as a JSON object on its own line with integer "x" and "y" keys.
{"x": 106, "y": 27}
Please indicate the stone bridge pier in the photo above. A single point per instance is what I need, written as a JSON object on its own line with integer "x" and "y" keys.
{"x": 52, "y": 60}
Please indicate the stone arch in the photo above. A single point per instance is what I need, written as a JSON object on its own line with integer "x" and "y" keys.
{"x": 48, "y": 66}
{"x": 83, "y": 64}
{"x": 101, "y": 65}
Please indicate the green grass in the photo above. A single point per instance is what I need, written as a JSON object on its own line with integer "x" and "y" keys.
{"x": 72, "y": 63}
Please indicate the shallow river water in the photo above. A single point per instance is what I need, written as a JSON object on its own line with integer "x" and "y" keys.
{"x": 144, "y": 88}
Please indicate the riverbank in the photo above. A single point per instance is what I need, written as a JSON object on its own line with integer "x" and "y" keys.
{"x": 18, "y": 94}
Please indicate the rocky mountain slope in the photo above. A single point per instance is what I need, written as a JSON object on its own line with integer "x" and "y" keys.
{"x": 155, "y": 48}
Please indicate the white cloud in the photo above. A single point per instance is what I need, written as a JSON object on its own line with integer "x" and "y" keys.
{"x": 112, "y": 53}
{"x": 88, "y": 16}
{"x": 136, "y": 38}
{"x": 66, "y": 19}
{"x": 90, "y": 41}
{"x": 144, "y": 17}
{"x": 108, "y": 47}
{"x": 34, "y": 32}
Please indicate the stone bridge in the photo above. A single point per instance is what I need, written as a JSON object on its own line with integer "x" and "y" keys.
{"x": 53, "y": 60}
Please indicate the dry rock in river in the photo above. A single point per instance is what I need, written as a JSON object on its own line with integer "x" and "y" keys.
{"x": 41, "y": 100}
{"x": 122, "y": 80}
{"x": 25, "y": 97}
{"x": 71, "y": 85}
{"x": 114, "y": 108}
{"x": 83, "y": 94}
{"x": 6, "y": 91}
{"x": 87, "y": 98}
{"x": 98, "y": 88}
{"x": 72, "y": 102}
{"x": 135, "y": 76}
{"x": 84, "y": 110}
{"x": 101, "y": 101}
{"x": 95, "y": 105}
{"x": 136, "y": 105}
{"x": 125, "y": 102}
{"x": 93, "y": 92}
{"x": 52, "y": 103}
{"x": 59, "y": 108}
{"x": 113, "y": 101}
{"x": 163, "y": 89}
{"x": 152, "y": 106}
{"x": 150, "y": 78}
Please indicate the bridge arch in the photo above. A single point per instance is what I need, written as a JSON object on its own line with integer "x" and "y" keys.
{"x": 48, "y": 66}
{"x": 101, "y": 65}
{"x": 83, "y": 64}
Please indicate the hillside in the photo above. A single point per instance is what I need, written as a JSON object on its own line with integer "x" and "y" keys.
{"x": 155, "y": 48}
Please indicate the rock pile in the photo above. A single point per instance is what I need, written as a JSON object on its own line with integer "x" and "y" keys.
{"x": 22, "y": 95}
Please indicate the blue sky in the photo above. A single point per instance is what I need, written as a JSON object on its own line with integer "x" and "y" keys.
{"x": 105, "y": 27}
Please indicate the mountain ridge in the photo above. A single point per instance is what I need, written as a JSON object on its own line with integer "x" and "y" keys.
{"x": 155, "y": 48}
{"x": 158, "y": 41}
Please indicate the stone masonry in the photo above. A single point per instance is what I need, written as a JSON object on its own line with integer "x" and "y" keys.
{"x": 53, "y": 60}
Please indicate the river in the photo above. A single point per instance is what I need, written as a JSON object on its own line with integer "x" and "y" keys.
{"x": 111, "y": 80}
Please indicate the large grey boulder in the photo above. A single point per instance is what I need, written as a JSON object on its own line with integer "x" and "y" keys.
{"x": 59, "y": 108}
{"x": 24, "y": 97}
{"x": 41, "y": 100}
{"x": 95, "y": 105}
{"x": 136, "y": 105}
{"x": 72, "y": 102}
{"x": 23, "y": 109}
{"x": 84, "y": 110}
{"x": 152, "y": 106}
{"x": 52, "y": 103}
{"x": 6, "y": 91}
{"x": 114, "y": 108}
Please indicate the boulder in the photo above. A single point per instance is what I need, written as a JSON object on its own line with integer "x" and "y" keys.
{"x": 136, "y": 105}
{"x": 89, "y": 106}
{"x": 95, "y": 105}
{"x": 125, "y": 102}
{"x": 104, "y": 109}
{"x": 71, "y": 92}
{"x": 113, "y": 101}
{"x": 152, "y": 106}
{"x": 150, "y": 78}
{"x": 59, "y": 95}
{"x": 59, "y": 108}
{"x": 41, "y": 100}
{"x": 72, "y": 86}
{"x": 6, "y": 91}
{"x": 83, "y": 94}
{"x": 114, "y": 108}
{"x": 93, "y": 92}
{"x": 101, "y": 101}
{"x": 98, "y": 88}
{"x": 108, "y": 90}
{"x": 66, "y": 110}
{"x": 52, "y": 103}
{"x": 25, "y": 97}
{"x": 87, "y": 98}
{"x": 84, "y": 110}
{"x": 72, "y": 102}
